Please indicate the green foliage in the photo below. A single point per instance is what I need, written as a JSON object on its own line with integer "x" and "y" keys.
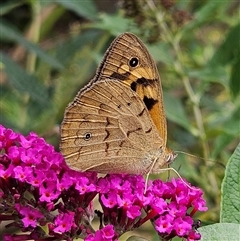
{"x": 230, "y": 201}
{"x": 53, "y": 49}
{"x": 229, "y": 228}
{"x": 229, "y": 54}
{"x": 10, "y": 33}
{"x": 86, "y": 9}
{"x": 220, "y": 231}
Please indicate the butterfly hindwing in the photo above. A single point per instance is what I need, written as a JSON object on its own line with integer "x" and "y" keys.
{"x": 106, "y": 125}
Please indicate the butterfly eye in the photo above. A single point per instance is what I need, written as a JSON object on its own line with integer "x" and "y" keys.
{"x": 133, "y": 62}
{"x": 87, "y": 136}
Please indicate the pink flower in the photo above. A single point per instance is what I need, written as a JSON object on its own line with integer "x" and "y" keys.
{"x": 7, "y": 137}
{"x": 14, "y": 153}
{"x": 178, "y": 210}
{"x": 105, "y": 234}
{"x": 64, "y": 222}
{"x": 164, "y": 224}
{"x": 183, "y": 226}
{"x": 83, "y": 185}
{"x": 30, "y": 156}
{"x": 192, "y": 236}
{"x": 6, "y": 172}
{"x": 109, "y": 200}
{"x": 160, "y": 205}
{"x": 36, "y": 179}
{"x": 108, "y": 232}
{"x": 30, "y": 215}
{"x": 48, "y": 191}
{"x": 133, "y": 212}
{"x": 39, "y": 189}
{"x": 21, "y": 173}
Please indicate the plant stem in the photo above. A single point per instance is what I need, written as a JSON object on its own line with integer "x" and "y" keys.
{"x": 34, "y": 34}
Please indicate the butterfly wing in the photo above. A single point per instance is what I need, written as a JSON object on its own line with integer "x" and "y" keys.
{"x": 107, "y": 128}
{"x": 128, "y": 61}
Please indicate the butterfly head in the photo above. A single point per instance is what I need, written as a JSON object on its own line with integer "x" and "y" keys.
{"x": 160, "y": 158}
{"x": 170, "y": 156}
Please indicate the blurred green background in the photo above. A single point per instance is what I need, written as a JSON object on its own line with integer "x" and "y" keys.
{"x": 50, "y": 49}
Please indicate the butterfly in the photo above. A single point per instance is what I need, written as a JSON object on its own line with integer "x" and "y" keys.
{"x": 117, "y": 122}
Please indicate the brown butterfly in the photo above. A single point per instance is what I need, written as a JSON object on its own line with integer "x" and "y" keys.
{"x": 117, "y": 123}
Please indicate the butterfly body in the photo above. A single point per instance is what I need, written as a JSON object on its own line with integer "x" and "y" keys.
{"x": 117, "y": 124}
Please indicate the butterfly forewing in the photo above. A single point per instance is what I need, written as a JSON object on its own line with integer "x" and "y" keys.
{"x": 128, "y": 60}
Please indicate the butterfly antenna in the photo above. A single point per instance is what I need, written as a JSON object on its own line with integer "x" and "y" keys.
{"x": 191, "y": 155}
{"x": 201, "y": 158}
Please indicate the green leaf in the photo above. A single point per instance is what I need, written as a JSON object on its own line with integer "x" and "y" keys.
{"x": 24, "y": 82}
{"x": 209, "y": 11}
{"x": 9, "y": 107}
{"x": 161, "y": 52}
{"x": 232, "y": 123}
{"x": 229, "y": 51}
{"x": 9, "y": 32}
{"x": 220, "y": 143}
{"x": 51, "y": 20}
{"x": 86, "y": 9}
{"x": 234, "y": 83}
{"x": 67, "y": 50}
{"x": 176, "y": 113}
{"x": 220, "y": 232}
{"x": 111, "y": 24}
{"x": 230, "y": 200}
{"x": 211, "y": 74}
{"x": 9, "y": 6}
{"x": 136, "y": 238}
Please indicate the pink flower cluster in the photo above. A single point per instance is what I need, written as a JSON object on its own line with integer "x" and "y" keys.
{"x": 38, "y": 190}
